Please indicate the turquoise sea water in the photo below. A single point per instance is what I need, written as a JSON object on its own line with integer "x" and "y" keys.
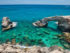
{"x": 25, "y": 33}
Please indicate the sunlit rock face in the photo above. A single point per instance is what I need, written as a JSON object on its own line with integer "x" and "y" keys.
{"x": 7, "y": 24}
{"x": 5, "y": 21}
{"x": 67, "y": 36}
{"x": 65, "y": 39}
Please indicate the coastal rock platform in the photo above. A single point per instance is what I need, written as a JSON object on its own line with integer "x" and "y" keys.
{"x": 8, "y": 48}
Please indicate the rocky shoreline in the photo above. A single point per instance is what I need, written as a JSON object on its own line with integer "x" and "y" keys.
{"x": 9, "y": 48}
{"x": 65, "y": 39}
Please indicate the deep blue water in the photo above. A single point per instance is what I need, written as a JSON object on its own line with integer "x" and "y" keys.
{"x": 28, "y": 12}
{"x": 25, "y": 32}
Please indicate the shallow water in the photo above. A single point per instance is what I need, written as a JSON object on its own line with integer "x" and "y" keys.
{"x": 25, "y": 33}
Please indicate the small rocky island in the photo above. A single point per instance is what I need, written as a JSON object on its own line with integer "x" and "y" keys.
{"x": 7, "y": 24}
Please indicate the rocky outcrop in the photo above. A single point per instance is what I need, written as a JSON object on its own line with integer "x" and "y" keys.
{"x": 8, "y": 48}
{"x": 63, "y": 22}
{"x": 7, "y": 24}
{"x": 67, "y": 36}
{"x": 40, "y": 24}
{"x": 65, "y": 39}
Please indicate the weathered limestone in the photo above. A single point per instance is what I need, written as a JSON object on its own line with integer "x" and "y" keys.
{"x": 65, "y": 39}
{"x": 66, "y": 51}
{"x": 55, "y": 48}
{"x": 63, "y": 22}
{"x": 56, "y": 51}
{"x": 40, "y": 24}
{"x": 67, "y": 36}
{"x": 8, "y": 48}
{"x": 7, "y": 24}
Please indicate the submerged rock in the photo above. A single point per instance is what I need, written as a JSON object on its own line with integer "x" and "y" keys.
{"x": 67, "y": 46}
{"x": 46, "y": 32}
{"x": 13, "y": 41}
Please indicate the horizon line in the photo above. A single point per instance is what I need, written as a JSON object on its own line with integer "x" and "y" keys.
{"x": 34, "y": 4}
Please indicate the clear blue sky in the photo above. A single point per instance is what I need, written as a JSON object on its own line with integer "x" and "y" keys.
{"x": 58, "y": 2}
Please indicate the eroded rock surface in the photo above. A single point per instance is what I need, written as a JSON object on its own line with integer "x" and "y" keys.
{"x": 67, "y": 36}
{"x": 8, "y": 48}
{"x": 65, "y": 39}
{"x": 63, "y": 22}
{"x": 7, "y": 24}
